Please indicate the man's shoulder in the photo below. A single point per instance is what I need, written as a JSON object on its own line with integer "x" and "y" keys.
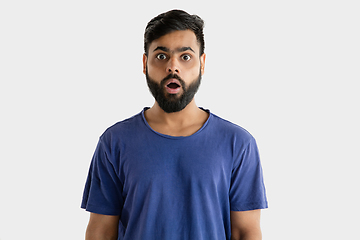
{"x": 230, "y": 128}
{"x": 228, "y": 125}
{"x": 123, "y": 127}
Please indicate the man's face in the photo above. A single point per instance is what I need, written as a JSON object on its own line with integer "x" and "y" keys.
{"x": 173, "y": 69}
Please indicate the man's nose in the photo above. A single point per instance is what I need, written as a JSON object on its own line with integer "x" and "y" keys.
{"x": 173, "y": 66}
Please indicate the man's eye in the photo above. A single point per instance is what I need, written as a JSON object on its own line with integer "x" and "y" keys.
{"x": 161, "y": 56}
{"x": 186, "y": 57}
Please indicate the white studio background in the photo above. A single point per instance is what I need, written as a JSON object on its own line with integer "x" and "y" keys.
{"x": 287, "y": 71}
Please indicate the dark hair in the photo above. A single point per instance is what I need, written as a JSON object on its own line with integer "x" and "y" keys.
{"x": 174, "y": 20}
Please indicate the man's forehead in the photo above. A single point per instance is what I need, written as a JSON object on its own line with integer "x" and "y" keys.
{"x": 176, "y": 41}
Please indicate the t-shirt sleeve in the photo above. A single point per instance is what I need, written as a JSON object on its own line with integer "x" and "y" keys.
{"x": 247, "y": 190}
{"x": 102, "y": 193}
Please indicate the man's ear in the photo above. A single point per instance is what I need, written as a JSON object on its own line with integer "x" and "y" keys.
{"x": 144, "y": 63}
{"x": 202, "y": 62}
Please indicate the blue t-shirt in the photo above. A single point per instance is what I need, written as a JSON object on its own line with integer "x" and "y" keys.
{"x": 173, "y": 188}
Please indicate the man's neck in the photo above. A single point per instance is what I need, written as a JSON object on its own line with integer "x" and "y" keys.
{"x": 182, "y": 123}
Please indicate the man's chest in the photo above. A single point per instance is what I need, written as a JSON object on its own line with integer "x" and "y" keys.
{"x": 175, "y": 165}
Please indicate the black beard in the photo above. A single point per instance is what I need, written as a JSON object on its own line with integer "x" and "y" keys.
{"x": 171, "y": 102}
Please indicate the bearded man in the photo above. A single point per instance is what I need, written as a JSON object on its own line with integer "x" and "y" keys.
{"x": 175, "y": 171}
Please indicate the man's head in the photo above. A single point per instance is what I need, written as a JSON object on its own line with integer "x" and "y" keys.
{"x": 174, "y": 58}
{"x": 175, "y": 20}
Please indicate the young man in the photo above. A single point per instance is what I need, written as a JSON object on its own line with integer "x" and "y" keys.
{"x": 175, "y": 171}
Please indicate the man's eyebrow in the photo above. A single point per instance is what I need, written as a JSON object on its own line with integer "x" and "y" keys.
{"x": 184, "y": 49}
{"x": 165, "y": 49}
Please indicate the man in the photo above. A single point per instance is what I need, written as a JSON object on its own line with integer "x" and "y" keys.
{"x": 174, "y": 171}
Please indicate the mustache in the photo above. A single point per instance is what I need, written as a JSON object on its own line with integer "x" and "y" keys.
{"x": 175, "y": 76}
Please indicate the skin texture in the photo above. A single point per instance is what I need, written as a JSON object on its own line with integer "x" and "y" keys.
{"x": 245, "y": 225}
{"x": 176, "y": 52}
{"x": 102, "y": 227}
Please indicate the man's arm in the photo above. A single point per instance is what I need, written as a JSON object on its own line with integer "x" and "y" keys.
{"x": 102, "y": 227}
{"x": 245, "y": 225}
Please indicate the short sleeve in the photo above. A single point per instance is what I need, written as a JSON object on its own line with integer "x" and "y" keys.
{"x": 247, "y": 190}
{"x": 103, "y": 189}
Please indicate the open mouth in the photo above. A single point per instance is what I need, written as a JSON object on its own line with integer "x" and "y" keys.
{"x": 173, "y": 85}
